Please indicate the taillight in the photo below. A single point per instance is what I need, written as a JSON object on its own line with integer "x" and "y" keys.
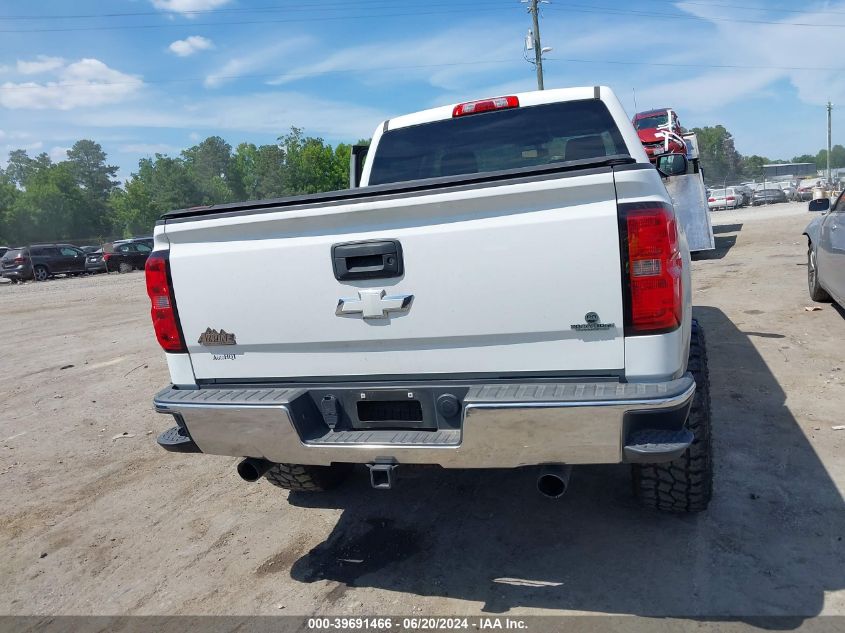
{"x": 485, "y": 105}
{"x": 163, "y": 311}
{"x": 711, "y": 199}
{"x": 106, "y": 256}
{"x": 653, "y": 268}
{"x": 20, "y": 260}
{"x": 730, "y": 198}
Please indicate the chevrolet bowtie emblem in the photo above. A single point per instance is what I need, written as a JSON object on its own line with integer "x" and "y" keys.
{"x": 372, "y": 304}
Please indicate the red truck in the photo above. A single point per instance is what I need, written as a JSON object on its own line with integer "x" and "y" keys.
{"x": 660, "y": 132}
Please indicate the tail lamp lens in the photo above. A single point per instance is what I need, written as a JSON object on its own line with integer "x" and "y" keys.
{"x": 654, "y": 268}
{"x": 163, "y": 311}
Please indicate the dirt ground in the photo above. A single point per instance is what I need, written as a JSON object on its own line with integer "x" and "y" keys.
{"x": 96, "y": 519}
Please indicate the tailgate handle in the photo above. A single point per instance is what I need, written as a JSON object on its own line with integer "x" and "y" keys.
{"x": 376, "y": 259}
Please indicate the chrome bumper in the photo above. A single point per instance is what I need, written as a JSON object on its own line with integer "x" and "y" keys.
{"x": 502, "y": 426}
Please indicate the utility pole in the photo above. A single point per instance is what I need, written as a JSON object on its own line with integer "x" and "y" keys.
{"x": 533, "y": 39}
{"x": 538, "y": 50}
{"x": 829, "y": 110}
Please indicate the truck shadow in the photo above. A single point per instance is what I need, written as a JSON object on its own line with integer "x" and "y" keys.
{"x": 771, "y": 543}
{"x": 722, "y": 244}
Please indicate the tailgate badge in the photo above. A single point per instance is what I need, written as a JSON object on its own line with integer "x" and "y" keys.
{"x": 592, "y": 322}
{"x": 213, "y": 337}
{"x": 373, "y": 304}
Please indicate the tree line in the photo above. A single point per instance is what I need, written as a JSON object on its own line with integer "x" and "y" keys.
{"x": 79, "y": 198}
{"x": 722, "y": 163}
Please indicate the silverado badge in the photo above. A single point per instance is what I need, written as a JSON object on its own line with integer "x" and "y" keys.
{"x": 592, "y": 322}
{"x": 372, "y": 304}
{"x": 213, "y": 337}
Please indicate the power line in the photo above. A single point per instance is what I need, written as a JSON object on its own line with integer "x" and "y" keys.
{"x": 558, "y": 8}
{"x": 228, "y": 23}
{"x": 275, "y": 75}
{"x": 746, "y": 8}
{"x": 501, "y": 62}
{"x": 664, "y": 16}
{"x": 372, "y": 4}
{"x": 368, "y": 4}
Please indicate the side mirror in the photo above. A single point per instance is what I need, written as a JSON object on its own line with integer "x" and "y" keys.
{"x": 820, "y": 204}
{"x": 672, "y": 164}
{"x": 356, "y": 164}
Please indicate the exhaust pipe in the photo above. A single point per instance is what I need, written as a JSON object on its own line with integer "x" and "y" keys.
{"x": 251, "y": 469}
{"x": 553, "y": 482}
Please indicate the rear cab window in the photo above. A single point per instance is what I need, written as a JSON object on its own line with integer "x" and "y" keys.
{"x": 525, "y": 136}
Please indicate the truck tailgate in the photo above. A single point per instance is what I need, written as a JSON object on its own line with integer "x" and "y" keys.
{"x": 499, "y": 276}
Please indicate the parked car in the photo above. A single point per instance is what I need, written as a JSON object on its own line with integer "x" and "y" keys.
{"x": 789, "y": 189}
{"x": 728, "y": 198}
{"x": 768, "y": 196}
{"x": 126, "y": 255}
{"x": 654, "y": 126}
{"x": 94, "y": 262}
{"x": 746, "y": 193}
{"x": 826, "y": 251}
{"x": 623, "y": 361}
{"x": 806, "y": 186}
{"x": 42, "y": 261}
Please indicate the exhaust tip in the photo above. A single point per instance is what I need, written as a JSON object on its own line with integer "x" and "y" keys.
{"x": 551, "y": 486}
{"x": 252, "y": 469}
{"x": 553, "y": 482}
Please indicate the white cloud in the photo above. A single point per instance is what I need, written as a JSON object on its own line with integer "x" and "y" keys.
{"x": 148, "y": 149}
{"x": 190, "y": 45}
{"x": 444, "y": 60}
{"x": 262, "y": 58}
{"x": 185, "y": 7}
{"x": 86, "y": 83}
{"x": 40, "y": 64}
{"x": 749, "y": 44}
{"x": 58, "y": 154}
{"x": 266, "y": 113}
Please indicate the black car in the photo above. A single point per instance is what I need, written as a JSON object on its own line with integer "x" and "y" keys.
{"x": 42, "y": 261}
{"x": 125, "y": 255}
{"x": 767, "y": 196}
{"x": 94, "y": 262}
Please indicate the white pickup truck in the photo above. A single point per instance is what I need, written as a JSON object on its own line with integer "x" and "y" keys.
{"x": 508, "y": 287}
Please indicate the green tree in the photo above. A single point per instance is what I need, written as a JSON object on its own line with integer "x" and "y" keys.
{"x": 8, "y": 194}
{"x": 208, "y": 165}
{"x": 21, "y": 167}
{"x": 52, "y": 207}
{"x": 96, "y": 179}
{"x": 719, "y": 158}
{"x": 312, "y": 166}
{"x": 751, "y": 167}
{"x": 804, "y": 158}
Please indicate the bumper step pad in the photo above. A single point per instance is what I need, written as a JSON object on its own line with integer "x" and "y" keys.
{"x": 174, "y": 441}
{"x": 651, "y": 446}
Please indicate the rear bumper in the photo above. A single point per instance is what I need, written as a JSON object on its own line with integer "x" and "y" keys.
{"x": 17, "y": 273}
{"x": 499, "y": 425}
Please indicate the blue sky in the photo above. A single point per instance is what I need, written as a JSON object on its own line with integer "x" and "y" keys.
{"x": 147, "y": 76}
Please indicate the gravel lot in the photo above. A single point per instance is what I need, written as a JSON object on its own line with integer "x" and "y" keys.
{"x": 97, "y": 522}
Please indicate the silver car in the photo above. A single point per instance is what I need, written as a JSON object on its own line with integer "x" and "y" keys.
{"x": 826, "y": 251}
